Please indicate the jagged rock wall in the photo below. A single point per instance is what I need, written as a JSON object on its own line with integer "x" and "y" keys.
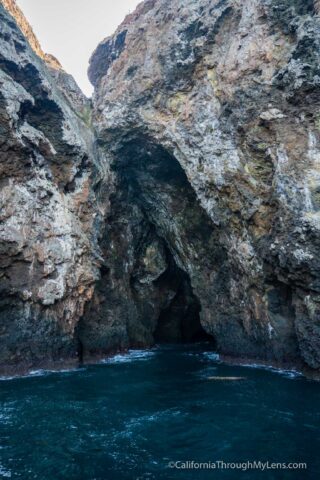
{"x": 228, "y": 90}
{"x": 197, "y": 201}
{"x": 49, "y": 211}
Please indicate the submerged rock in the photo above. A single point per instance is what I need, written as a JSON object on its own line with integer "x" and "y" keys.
{"x": 191, "y": 210}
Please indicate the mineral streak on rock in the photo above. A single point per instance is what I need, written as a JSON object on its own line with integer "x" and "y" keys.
{"x": 194, "y": 206}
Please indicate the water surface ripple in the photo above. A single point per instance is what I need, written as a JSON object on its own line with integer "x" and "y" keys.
{"x": 128, "y": 417}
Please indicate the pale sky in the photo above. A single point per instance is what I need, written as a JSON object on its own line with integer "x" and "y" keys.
{"x": 71, "y": 29}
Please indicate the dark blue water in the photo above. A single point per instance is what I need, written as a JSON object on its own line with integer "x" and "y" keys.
{"x": 127, "y": 419}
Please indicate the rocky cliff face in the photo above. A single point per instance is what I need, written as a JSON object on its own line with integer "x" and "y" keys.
{"x": 48, "y": 208}
{"x": 25, "y": 27}
{"x": 208, "y": 114}
{"x": 194, "y": 211}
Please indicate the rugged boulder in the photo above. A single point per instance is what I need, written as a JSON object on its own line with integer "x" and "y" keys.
{"x": 208, "y": 113}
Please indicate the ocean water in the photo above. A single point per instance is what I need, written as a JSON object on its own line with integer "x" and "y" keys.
{"x": 133, "y": 416}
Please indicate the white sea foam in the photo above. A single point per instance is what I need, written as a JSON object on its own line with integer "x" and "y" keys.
{"x": 208, "y": 355}
{"x": 43, "y": 373}
{"x": 4, "y": 420}
{"x": 130, "y": 356}
{"x": 3, "y": 379}
{"x": 40, "y": 373}
{"x": 4, "y": 473}
{"x": 212, "y": 356}
{"x": 285, "y": 372}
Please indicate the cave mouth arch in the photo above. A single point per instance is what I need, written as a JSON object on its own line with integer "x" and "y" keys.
{"x": 154, "y": 244}
{"x": 155, "y": 181}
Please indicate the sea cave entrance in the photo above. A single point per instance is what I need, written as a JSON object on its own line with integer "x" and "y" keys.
{"x": 154, "y": 246}
{"x": 154, "y": 181}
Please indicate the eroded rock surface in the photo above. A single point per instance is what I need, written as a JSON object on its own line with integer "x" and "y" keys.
{"x": 49, "y": 164}
{"x": 208, "y": 111}
{"x": 191, "y": 210}
{"x": 25, "y": 27}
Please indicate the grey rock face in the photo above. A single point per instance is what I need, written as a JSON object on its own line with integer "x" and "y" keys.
{"x": 192, "y": 209}
{"x": 48, "y": 208}
{"x": 208, "y": 112}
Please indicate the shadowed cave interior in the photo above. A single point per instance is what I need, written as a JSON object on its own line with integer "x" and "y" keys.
{"x": 145, "y": 287}
{"x": 179, "y": 321}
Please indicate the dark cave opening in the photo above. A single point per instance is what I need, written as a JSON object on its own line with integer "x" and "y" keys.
{"x": 179, "y": 321}
{"x": 80, "y": 349}
{"x": 154, "y": 180}
{"x": 154, "y": 249}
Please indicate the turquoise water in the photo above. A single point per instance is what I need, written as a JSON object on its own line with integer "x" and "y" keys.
{"x": 129, "y": 417}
